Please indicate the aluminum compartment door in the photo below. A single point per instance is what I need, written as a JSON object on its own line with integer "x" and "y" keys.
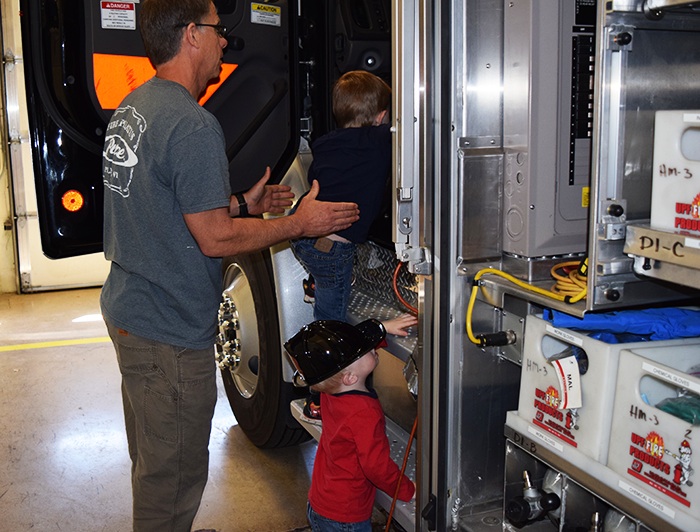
{"x": 83, "y": 57}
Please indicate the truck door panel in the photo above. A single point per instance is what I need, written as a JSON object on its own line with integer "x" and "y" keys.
{"x": 84, "y": 57}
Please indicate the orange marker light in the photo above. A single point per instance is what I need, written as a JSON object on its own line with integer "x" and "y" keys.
{"x": 72, "y": 201}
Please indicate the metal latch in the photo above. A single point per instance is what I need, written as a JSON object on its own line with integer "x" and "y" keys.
{"x": 418, "y": 260}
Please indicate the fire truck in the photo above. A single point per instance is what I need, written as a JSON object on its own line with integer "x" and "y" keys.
{"x": 544, "y": 206}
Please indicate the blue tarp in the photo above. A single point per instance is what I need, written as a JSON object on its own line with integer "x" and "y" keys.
{"x": 654, "y": 324}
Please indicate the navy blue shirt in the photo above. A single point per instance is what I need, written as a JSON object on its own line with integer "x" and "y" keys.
{"x": 353, "y": 164}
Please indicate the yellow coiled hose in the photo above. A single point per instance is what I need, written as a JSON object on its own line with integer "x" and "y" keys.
{"x": 569, "y": 289}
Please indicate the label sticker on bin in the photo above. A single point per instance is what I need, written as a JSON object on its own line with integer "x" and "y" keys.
{"x": 569, "y": 382}
{"x": 678, "y": 379}
{"x": 666, "y": 470}
{"x": 548, "y": 415}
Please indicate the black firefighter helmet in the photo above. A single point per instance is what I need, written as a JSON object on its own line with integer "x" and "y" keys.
{"x": 324, "y": 347}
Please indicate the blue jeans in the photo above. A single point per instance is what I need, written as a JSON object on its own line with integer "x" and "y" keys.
{"x": 332, "y": 271}
{"x": 321, "y": 524}
{"x": 169, "y": 394}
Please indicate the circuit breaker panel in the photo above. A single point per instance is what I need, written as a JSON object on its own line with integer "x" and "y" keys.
{"x": 585, "y": 84}
{"x": 549, "y": 60}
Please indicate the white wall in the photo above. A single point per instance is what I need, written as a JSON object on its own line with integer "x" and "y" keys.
{"x": 8, "y": 266}
{"x": 9, "y": 277}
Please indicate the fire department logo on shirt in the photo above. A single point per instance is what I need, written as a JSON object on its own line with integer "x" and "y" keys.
{"x": 121, "y": 146}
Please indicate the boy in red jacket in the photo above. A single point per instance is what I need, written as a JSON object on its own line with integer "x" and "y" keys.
{"x": 353, "y": 459}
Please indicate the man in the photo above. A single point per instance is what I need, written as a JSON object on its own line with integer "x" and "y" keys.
{"x": 169, "y": 215}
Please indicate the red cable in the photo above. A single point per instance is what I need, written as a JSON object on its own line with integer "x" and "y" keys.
{"x": 396, "y": 291}
{"x": 403, "y": 468}
{"x": 414, "y": 310}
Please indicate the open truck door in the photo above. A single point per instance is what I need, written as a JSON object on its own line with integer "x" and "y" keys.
{"x": 83, "y": 57}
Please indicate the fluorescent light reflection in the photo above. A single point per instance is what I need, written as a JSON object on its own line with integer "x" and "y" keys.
{"x": 88, "y": 318}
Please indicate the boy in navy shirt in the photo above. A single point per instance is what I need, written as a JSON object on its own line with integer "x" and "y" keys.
{"x": 351, "y": 163}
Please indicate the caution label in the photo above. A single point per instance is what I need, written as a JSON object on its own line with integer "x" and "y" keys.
{"x": 118, "y": 15}
{"x": 266, "y": 14}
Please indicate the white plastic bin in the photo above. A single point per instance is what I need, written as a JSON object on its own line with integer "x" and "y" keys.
{"x": 675, "y": 203}
{"x": 587, "y": 428}
{"x": 653, "y": 450}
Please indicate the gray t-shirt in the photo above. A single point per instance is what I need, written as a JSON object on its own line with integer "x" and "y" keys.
{"x": 164, "y": 156}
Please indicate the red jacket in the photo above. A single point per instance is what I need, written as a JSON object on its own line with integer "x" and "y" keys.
{"x": 353, "y": 459}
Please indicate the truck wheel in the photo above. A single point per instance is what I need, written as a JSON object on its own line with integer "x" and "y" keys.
{"x": 248, "y": 351}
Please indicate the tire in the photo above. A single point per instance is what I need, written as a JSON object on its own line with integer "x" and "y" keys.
{"x": 249, "y": 354}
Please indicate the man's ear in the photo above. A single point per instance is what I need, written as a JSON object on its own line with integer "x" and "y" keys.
{"x": 192, "y": 35}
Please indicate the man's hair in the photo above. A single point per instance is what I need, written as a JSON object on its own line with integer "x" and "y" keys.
{"x": 161, "y": 23}
{"x": 358, "y": 97}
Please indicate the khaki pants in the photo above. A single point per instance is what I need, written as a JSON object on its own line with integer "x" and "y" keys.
{"x": 169, "y": 394}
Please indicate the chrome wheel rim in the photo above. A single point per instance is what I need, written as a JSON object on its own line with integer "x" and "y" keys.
{"x": 237, "y": 346}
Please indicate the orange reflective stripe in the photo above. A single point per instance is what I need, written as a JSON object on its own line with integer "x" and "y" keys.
{"x": 118, "y": 75}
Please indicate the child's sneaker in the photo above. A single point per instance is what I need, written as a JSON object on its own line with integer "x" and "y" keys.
{"x": 312, "y": 410}
{"x": 309, "y": 289}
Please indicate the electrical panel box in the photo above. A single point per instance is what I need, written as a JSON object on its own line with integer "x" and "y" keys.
{"x": 549, "y": 56}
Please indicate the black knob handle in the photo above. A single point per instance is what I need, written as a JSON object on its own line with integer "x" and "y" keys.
{"x": 623, "y": 39}
{"x": 616, "y": 210}
{"x": 550, "y": 501}
{"x": 612, "y": 295}
{"x": 234, "y": 43}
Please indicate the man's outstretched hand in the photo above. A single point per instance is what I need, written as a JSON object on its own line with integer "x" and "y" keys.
{"x": 263, "y": 198}
{"x": 320, "y": 218}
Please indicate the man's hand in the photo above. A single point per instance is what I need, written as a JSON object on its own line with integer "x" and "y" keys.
{"x": 320, "y": 218}
{"x": 263, "y": 198}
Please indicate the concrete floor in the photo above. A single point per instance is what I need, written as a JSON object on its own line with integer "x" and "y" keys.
{"x": 63, "y": 458}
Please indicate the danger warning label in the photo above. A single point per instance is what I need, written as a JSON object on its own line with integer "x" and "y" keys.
{"x": 118, "y": 15}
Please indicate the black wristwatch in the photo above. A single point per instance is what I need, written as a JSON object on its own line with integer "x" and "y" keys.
{"x": 242, "y": 204}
